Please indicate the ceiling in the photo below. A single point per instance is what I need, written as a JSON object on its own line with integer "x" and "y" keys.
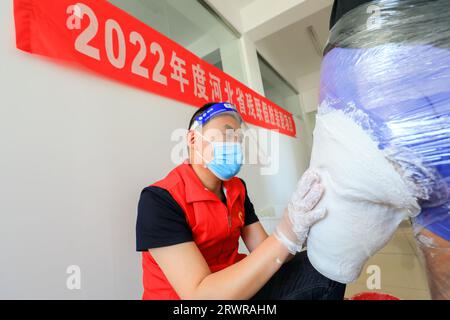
{"x": 239, "y": 4}
{"x": 293, "y": 48}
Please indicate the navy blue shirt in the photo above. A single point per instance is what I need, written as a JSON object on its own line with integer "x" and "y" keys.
{"x": 161, "y": 221}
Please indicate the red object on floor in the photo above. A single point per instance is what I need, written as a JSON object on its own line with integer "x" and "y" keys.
{"x": 373, "y": 296}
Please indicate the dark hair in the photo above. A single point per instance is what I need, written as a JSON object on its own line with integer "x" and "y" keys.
{"x": 199, "y": 112}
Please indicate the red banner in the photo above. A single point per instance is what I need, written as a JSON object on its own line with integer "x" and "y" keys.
{"x": 108, "y": 40}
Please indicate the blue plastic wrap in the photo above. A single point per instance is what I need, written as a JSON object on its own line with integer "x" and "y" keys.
{"x": 390, "y": 72}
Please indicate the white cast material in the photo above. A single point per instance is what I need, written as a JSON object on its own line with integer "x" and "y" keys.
{"x": 366, "y": 199}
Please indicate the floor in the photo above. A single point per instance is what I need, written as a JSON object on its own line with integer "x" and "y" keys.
{"x": 402, "y": 273}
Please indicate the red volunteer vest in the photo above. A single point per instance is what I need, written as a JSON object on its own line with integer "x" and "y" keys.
{"x": 216, "y": 228}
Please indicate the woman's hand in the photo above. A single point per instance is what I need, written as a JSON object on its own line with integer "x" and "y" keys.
{"x": 300, "y": 214}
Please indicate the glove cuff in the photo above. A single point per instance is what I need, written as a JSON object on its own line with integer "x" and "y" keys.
{"x": 291, "y": 246}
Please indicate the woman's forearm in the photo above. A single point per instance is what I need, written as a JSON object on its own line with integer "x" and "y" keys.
{"x": 242, "y": 280}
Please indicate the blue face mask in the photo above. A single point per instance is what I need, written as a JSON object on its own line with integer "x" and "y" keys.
{"x": 227, "y": 159}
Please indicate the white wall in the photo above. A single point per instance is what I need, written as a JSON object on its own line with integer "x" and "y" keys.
{"x": 292, "y": 53}
{"x": 230, "y": 10}
{"x": 76, "y": 150}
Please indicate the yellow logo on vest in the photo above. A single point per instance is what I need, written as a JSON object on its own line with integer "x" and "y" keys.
{"x": 241, "y": 217}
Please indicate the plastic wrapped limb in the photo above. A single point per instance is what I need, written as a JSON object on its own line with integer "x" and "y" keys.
{"x": 382, "y": 139}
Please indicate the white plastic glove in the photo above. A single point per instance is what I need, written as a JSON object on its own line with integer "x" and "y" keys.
{"x": 299, "y": 216}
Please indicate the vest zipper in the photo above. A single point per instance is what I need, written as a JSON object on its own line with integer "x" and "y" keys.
{"x": 229, "y": 230}
{"x": 228, "y": 215}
